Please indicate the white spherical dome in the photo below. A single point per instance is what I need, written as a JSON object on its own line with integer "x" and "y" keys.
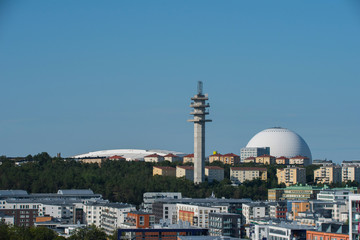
{"x": 282, "y": 142}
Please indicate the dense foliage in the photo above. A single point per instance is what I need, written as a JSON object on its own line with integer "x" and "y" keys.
{"x": 119, "y": 180}
{"x": 27, "y": 233}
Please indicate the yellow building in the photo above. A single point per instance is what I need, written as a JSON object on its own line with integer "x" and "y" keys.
{"x": 282, "y": 161}
{"x": 350, "y": 173}
{"x": 327, "y": 175}
{"x": 241, "y": 174}
{"x": 299, "y": 160}
{"x": 297, "y": 207}
{"x": 188, "y": 158}
{"x": 185, "y": 171}
{"x": 249, "y": 160}
{"x": 98, "y": 161}
{"x": 275, "y": 194}
{"x": 265, "y": 159}
{"x": 231, "y": 158}
{"x": 215, "y": 157}
{"x": 291, "y": 175}
{"x": 164, "y": 171}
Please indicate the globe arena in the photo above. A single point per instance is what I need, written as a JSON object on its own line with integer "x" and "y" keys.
{"x": 282, "y": 142}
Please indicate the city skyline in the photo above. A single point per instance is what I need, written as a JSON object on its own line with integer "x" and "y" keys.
{"x": 85, "y": 76}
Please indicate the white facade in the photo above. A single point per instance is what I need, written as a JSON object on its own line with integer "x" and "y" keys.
{"x": 201, "y": 213}
{"x": 113, "y": 215}
{"x": 254, "y": 210}
{"x": 92, "y": 214}
{"x": 150, "y": 197}
{"x": 282, "y": 142}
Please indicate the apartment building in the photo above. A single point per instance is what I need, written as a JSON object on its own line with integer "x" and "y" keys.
{"x": 149, "y": 198}
{"x": 164, "y": 171}
{"x": 214, "y": 173}
{"x": 327, "y": 174}
{"x": 255, "y": 210}
{"x": 241, "y": 174}
{"x": 188, "y": 158}
{"x": 253, "y": 152}
{"x": 215, "y": 157}
{"x": 350, "y": 173}
{"x": 196, "y": 215}
{"x": 185, "y": 171}
{"x": 282, "y": 161}
{"x": 330, "y": 231}
{"x": 231, "y": 159}
{"x": 298, "y": 207}
{"x": 153, "y": 158}
{"x": 249, "y": 160}
{"x": 117, "y": 158}
{"x": 299, "y": 160}
{"x": 23, "y": 211}
{"x": 113, "y": 215}
{"x": 172, "y": 158}
{"x": 265, "y": 159}
{"x": 278, "y": 210}
{"x": 225, "y": 224}
{"x": 138, "y": 219}
{"x": 291, "y": 175}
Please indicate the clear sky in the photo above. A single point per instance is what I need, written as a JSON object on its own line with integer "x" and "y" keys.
{"x": 80, "y": 76}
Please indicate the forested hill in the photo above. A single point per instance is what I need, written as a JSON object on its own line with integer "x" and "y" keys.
{"x": 116, "y": 180}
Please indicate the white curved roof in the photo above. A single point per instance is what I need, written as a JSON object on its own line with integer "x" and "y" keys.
{"x": 129, "y": 154}
{"x": 282, "y": 142}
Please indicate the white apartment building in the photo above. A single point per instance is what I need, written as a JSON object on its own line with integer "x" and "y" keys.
{"x": 254, "y": 210}
{"x": 150, "y": 197}
{"x": 92, "y": 213}
{"x": 113, "y": 215}
{"x": 196, "y": 215}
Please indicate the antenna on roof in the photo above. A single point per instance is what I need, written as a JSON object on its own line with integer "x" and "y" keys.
{"x": 200, "y": 87}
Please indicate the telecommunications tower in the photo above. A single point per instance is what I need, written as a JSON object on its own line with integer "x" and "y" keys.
{"x": 199, "y": 104}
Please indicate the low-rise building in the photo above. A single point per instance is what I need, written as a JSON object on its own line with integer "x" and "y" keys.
{"x": 215, "y": 157}
{"x": 241, "y": 174}
{"x": 214, "y": 173}
{"x": 231, "y": 159}
{"x": 291, "y": 175}
{"x": 188, "y": 158}
{"x": 153, "y": 158}
{"x": 265, "y": 159}
{"x": 117, "y": 158}
{"x": 164, "y": 171}
{"x": 172, "y": 158}
{"x": 249, "y": 160}
{"x": 185, "y": 171}
{"x": 299, "y": 160}
{"x": 282, "y": 161}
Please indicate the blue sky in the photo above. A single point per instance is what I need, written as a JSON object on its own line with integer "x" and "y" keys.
{"x": 79, "y": 76}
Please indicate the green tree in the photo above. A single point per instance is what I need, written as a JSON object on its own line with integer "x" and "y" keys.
{"x": 89, "y": 233}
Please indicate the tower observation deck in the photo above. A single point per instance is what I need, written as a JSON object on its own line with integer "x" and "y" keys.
{"x": 199, "y": 105}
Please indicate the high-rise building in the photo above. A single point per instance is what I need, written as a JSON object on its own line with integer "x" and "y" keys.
{"x": 199, "y": 104}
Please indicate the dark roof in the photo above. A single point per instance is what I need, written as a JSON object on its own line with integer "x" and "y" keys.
{"x": 153, "y": 155}
{"x": 165, "y": 167}
{"x": 231, "y": 155}
{"x": 214, "y": 167}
